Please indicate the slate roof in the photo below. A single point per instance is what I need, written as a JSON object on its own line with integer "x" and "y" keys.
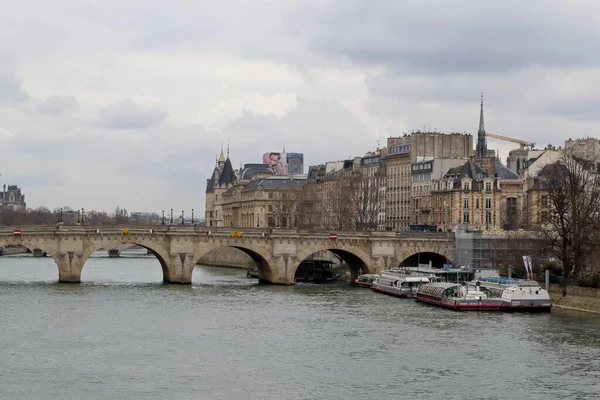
{"x": 227, "y": 174}
{"x": 251, "y": 169}
{"x": 210, "y": 186}
{"x": 275, "y": 183}
{"x": 503, "y": 172}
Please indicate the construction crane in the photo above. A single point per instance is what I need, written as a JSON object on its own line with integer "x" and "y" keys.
{"x": 521, "y": 143}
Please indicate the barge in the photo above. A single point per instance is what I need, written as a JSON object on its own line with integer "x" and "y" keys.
{"x": 459, "y": 297}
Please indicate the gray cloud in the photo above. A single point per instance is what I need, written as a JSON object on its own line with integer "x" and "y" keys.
{"x": 127, "y": 114}
{"x": 55, "y": 105}
{"x": 12, "y": 92}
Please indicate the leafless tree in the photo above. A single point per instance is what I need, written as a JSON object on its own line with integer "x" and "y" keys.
{"x": 366, "y": 200}
{"x": 572, "y": 217}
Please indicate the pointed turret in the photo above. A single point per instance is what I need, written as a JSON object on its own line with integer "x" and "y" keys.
{"x": 227, "y": 174}
{"x": 481, "y": 148}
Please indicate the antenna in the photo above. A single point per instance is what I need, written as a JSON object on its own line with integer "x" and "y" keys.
{"x": 284, "y": 145}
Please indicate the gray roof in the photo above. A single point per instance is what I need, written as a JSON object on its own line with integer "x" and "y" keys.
{"x": 251, "y": 169}
{"x": 275, "y": 183}
{"x": 502, "y": 172}
{"x": 227, "y": 174}
{"x": 210, "y": 186}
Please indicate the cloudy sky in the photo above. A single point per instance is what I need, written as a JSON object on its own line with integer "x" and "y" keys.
{"x": 127, "y": 102}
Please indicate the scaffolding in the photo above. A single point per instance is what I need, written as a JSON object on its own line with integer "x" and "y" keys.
{"x": 491, "y": 249}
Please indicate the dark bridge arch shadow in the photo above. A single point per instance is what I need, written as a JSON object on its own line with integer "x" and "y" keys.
{"x": 437, "y": 260}
{"x": 265, "y": 273}
{"x": 355, "y": 264}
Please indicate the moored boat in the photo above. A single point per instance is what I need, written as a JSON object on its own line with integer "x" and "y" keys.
{"x": 364, "y": 280}
{"x": 459, "y": 297}
{"x": 399, "y": 286}
{"x": 519, "y": 294}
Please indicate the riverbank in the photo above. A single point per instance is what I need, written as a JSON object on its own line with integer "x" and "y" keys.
{"x": 578, "y": 298}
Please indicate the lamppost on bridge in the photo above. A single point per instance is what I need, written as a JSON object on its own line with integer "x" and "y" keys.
{"x": 182, "y": 218}
{"x": 192, "y": 216}
{"x": 78, "y": 217}
{"x": 163, "y": 217}
{"x": 171, "y": 216}
{"x": 82, "y": 212}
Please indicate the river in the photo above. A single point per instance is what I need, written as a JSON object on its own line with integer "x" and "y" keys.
{"x": 122, "y": 334}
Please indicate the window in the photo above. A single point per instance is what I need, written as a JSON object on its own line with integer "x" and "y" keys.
{"x": 488, "y": 202}
{"x": 466, "y": 203}
{"x": 488, "y": 186}
{"x": 270, "y": 195}
{"x": 270, "y": 208}
{"x": 477, "y": 204}
{"x": 466, "y": 187}
{"x": 488, "y": 217}
{"x": 466, "y": 217}
{"x": 544, "y": 201}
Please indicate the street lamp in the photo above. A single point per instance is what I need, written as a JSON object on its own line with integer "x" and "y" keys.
{"x": 171, "y": 216}
{"x": 192, "y": 216}
{"x": 182, "y": 220}
{"x": 82, "y": 212}
{"x": 163, "y": 217}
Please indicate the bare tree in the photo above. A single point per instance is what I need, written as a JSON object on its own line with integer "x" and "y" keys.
{"x": 366, "y": 200}
{"x": 571, "y": 217}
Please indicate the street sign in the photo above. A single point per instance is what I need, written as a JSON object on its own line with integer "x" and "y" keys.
{"x": 265, "y": 235}
{"x": 96, "y": 231}
{"x": 125, "y": 230}
{"x": 208, "y": 233}
{"x": 17, "y": 232}
{"x": 333, "y": 236}
{"x": 152, "y": 231}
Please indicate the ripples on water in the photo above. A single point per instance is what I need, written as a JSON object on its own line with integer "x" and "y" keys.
{"x": 122, "y": 334}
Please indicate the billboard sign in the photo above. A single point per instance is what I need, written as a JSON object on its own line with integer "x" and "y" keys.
{"x": 284, "y": 163}
{"x": 276, "y": 162}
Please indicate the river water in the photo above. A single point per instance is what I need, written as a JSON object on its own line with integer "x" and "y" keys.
{"x": 122, "y": 334}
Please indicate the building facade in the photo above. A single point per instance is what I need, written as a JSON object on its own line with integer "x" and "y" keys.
{"x": 12, "y": 198}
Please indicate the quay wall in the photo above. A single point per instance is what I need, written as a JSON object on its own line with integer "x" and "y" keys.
{"x": 226, "y": 257}
{"x": 578, "y": 298}
{"x": 4, "y": 251}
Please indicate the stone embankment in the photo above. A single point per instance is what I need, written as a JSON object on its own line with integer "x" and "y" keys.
{"x": 577, "y": 298}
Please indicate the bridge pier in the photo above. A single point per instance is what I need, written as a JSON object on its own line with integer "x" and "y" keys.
{"x": 179, "y": 269}
{"x": 69, "y": 267}
{"x": 114, "y": 253}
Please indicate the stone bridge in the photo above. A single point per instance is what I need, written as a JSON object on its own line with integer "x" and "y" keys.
{"x": 276, "y": 252}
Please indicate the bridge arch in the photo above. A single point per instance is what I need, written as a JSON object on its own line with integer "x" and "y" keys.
{"x": 31, "y": 245}
{"x": 254, "y": 251}
{"x": 151, "y": 246}
{"x": 357, "y": 260}
{"x": 424, "y": 257}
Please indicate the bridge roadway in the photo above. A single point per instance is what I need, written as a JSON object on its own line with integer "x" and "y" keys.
{"x": 277, "y": 252}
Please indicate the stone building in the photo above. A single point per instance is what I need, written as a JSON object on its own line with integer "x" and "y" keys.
{"x": 415, "y": 148}
{"x": 469, "y": 195}
{"x": 259, "y": 200}
{"x": 398, "y": 186}
{"x": 424, "y": 174}
{"x": 585, "y": 147}
{"x": 220, "y": 181}
{"x": 12, "y": 198}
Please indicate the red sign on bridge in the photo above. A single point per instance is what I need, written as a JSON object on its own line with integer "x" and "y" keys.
{"x": 17, "y": 232}
{"x": 333, "y": 236}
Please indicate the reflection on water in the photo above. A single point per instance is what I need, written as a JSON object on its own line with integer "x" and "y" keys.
{"x": 124, "y": 334}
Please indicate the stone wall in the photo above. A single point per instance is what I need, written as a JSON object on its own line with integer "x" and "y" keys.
{"x": 226, "y": 257}
{"x": 576, "y": 291}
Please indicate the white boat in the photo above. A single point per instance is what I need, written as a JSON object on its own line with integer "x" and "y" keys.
{"x": 519, "y": 294}
{"x": 459, "y": 297}
{"x": 398, "y": 285}
{"x": 365, "y": 280}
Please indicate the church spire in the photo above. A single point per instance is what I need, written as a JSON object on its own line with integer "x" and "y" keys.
{"x": 227, "y": 147}
{"x": 481, "y": 148}
{"x": 221, "y": 161}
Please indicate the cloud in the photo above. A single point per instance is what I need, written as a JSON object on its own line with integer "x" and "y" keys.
{"x": 12, "y": 91}
{"x": 127, "y": 114}
{"x": 55, "y": 105}
{"x": 325, "y": 77}
{"x": 5, "y": 133}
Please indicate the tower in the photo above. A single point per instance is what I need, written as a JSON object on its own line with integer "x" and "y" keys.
{"x": 481, "y": 147}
